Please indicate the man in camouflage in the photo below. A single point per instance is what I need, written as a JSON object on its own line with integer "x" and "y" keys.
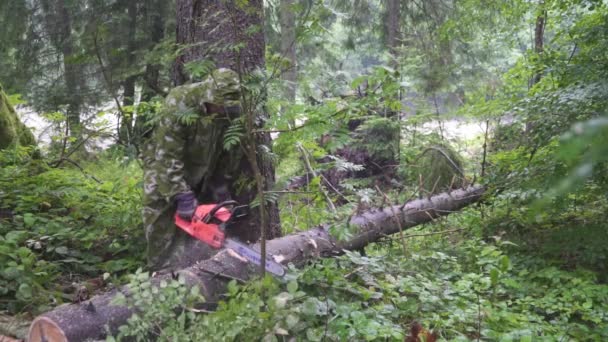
{"x": 186, "y": 149}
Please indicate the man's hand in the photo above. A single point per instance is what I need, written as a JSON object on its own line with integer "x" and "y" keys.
{"x": 186, "y": 204}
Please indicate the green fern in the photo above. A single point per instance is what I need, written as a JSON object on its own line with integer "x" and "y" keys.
{"x": 233, "y": 135}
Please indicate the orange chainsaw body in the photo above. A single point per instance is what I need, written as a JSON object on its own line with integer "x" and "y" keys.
{"x": 203, "y": 227}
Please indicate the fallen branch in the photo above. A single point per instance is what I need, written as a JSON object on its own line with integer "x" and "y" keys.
{"x": 88, "y": 320}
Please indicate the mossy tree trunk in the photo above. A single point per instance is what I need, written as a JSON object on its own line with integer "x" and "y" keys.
{"x": 12, "y": 131}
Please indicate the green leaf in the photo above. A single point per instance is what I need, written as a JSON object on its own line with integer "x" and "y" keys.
{"x": 24, "y": 292}
{"x": 494, "y": 273}
{"x": 29, "y": 220}
{"x": 314, "y": 334}
{"x": 504, "y": 263}
{"x": 526, "y": 338}
{"x": 313, "y": 307}
{"x": 61, "y": 250}
{"x": 292, "y": 286}
{"x": 281, "y": 299}
{"x": 291, "y": 321}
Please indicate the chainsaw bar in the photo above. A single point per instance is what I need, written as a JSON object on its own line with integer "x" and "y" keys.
{"x": 255, "y": 257}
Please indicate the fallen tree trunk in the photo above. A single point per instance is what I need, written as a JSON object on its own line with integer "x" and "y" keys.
{"x": 88, "y": 320}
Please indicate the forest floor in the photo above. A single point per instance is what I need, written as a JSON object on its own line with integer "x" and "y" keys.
{"x": 510, "y": 287}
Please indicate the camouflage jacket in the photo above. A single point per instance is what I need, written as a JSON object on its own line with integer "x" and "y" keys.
{"x": 187, "y": 145}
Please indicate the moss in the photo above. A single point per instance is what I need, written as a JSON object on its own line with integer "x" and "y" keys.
{"x": 12, "y": 130}
{"x": 440, "y": 169}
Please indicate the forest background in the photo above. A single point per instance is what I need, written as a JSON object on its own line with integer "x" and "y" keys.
{"x": 368, "y": 103}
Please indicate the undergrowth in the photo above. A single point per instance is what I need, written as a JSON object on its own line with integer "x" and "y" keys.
{"x": 60, "y": 227}
{"x": 459, "y": 286}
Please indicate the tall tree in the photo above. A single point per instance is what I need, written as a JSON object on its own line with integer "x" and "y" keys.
{"x": 155, "y": 21}
{"x": 288, "y": 47}
{"x": 229, "y": 34}
{"x": 126, "y": 133}
{"x": 539, "y": 32}
{"x": 58, "y": 22}
{"x": 17, "y": 50}
{"x": 393, "y": 7}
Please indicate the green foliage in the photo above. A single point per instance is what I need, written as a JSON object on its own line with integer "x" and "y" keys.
{"x": 545, "y": 170}
{"x": 438, "y": 168}
{"x": 60, "y": 226}
{"x": 166, "y": 304}
{"x": 461, "y": 290}
{"x": 233, "y": 134}
{"x": 584, "y": 150}
{"x": 547, "y": 165}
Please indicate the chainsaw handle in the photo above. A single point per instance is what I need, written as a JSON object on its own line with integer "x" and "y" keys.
{"x": 219, "y": 206}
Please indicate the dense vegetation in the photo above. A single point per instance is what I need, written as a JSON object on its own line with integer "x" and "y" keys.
{"x": 368, "y": 122}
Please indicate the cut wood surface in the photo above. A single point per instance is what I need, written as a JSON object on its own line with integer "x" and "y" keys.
{"x": 90, "y": 319}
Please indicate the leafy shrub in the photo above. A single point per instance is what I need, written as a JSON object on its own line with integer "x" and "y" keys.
{"x": 167, "y": 305}
{"x": 463, "y": 291}
{"x": 60, "y": 226}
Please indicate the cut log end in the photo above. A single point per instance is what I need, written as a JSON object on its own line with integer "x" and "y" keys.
{"x": 44, "y": 329}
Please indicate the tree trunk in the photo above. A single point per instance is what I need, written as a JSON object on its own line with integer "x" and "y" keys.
{"x": 225, "y": 32}
{"x": 12, "y": 131}
{"x": 539, "y": 32}
{"x": 288, "y": 48}
{"x": 229, "y": 33}
{"x": 153, "y": 12}
{"x": 58, "y": 24}
{"x": 394, "y": 40}
{"x": 155, "y": 27}
{"x": 393, "y": 30}
{"x": 78, "y": 322}
{"x": 71, "y": 70}
{"x": 126, "y": 124}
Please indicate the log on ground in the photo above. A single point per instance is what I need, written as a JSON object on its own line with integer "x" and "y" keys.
{"x": 92, "y": 319}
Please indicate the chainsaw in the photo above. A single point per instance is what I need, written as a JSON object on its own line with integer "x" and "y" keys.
{"x": 209, "y": 224}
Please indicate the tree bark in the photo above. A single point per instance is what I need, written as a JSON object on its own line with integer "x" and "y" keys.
{"x": 394, "y": 40}
{"x": 58, "y": 22}
{"x": 288, "y": 48}
{"x": 155, "y": 27}
{"x": 154, "y": 14}
{"x": 539, "y": 32}
{"x": 78, "y": 322}
{"x": 126, "y": 124}
{"x": 225, "y": 32}
{"x": 393, "y": 30}
{"x": 229, "y": 33}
